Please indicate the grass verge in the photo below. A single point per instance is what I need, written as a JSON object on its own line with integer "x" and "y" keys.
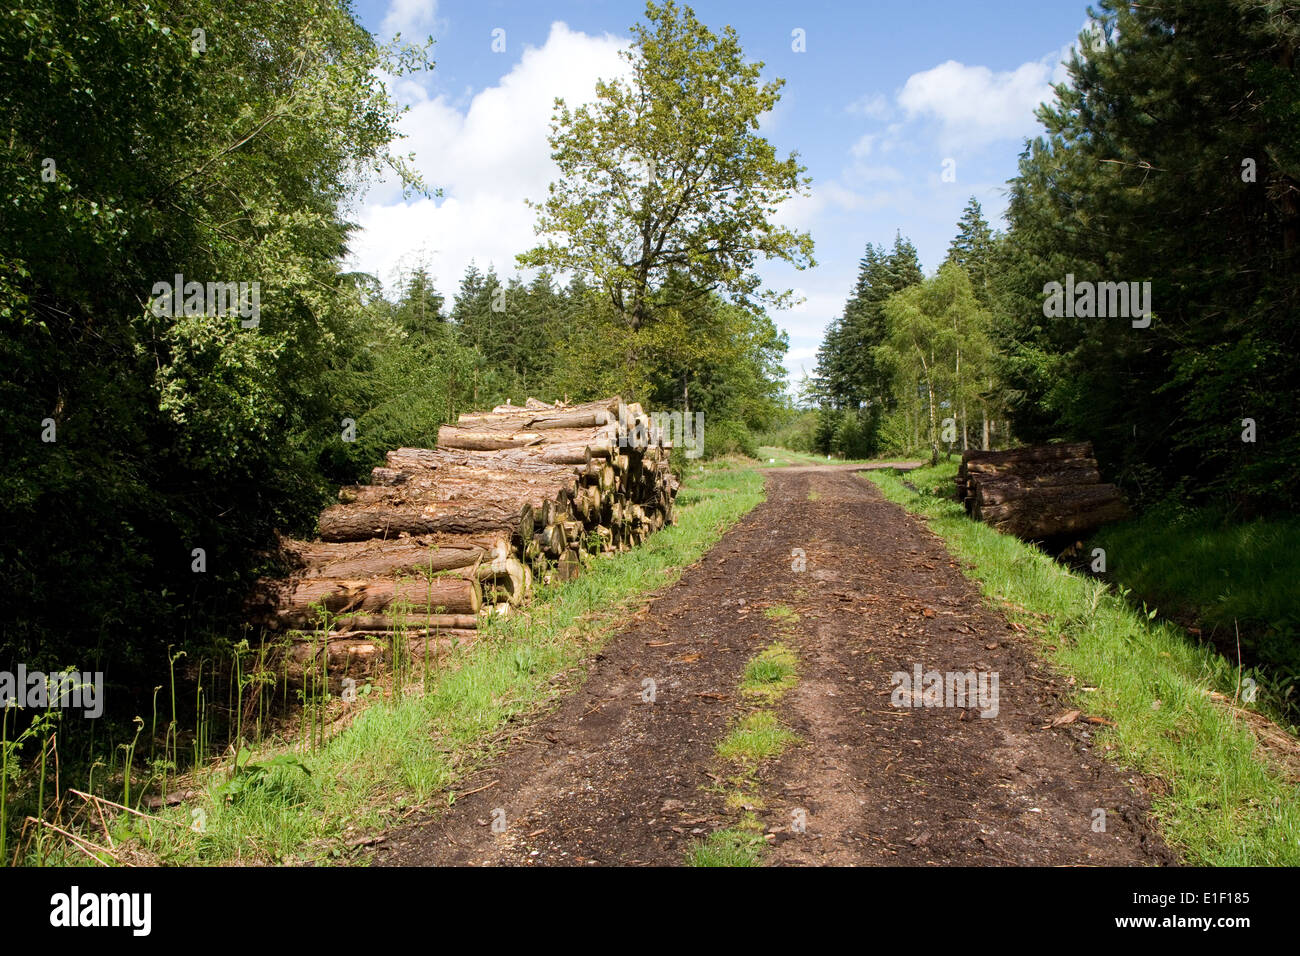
{"x": 770, "y": 456}
{"x": 1223, "y": 800}
{"x": 1229, "y": 579}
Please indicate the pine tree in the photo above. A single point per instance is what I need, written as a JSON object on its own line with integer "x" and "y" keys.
{"x": 1171, "y": 156}
{"x": 476, "y": 324}
{"x": 419, "y": 309}
{"x": 972, "y": 248}
{"x": 849, "y": 380}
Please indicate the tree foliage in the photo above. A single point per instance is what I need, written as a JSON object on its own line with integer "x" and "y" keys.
{"x": 938, "y": 349}
{"x": 136, "y": 153}
{"x": 1171, "y": 156}
{"x": 665, "y": 175}
{"x": 853, "y": 389}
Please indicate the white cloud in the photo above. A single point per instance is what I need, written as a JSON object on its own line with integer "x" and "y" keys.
{"x": 487, "y": 158}
{"x": 871, "y": 105}
{"x": 410, "y": 18}
{"x": 824, "y": 292}
{"x": 823, "y": 299}
{"x": 891, "y": 140}
{"x": 975, "y": 106}
{"x": 862, "y": 148}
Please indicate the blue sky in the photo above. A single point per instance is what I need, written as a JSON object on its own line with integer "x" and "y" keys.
{"x": 881, "y": 96}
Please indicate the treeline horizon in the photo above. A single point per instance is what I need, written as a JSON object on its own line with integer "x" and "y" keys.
{"x": 1167, "y": 182}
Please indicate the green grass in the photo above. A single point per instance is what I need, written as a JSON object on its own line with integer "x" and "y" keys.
{"x": 1224, "y": 802}
{"x": 771, "y": 674}
{"x": 409, "y": 750}
{"x": 731, "y": 847}
{"x": 757, "y": 736}
{"x": 783, "y": 614}
{"x": 772, "y": 457}
{"x": 1225, "y": 577}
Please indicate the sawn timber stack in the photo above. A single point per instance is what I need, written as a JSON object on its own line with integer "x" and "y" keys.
{"x": 443, "y": 536}
{"x": 1038, "y": 492}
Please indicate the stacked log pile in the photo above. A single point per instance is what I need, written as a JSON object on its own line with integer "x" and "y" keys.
{"x": 444, "y": 536}
{"x": 1038, "y": 492}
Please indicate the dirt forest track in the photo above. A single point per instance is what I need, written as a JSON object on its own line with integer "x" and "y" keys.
{"x": 609, "y": 779}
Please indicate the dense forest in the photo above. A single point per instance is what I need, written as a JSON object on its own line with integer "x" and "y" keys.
{"x": 1168, "y": 181}
{"x": 152, "y": 454}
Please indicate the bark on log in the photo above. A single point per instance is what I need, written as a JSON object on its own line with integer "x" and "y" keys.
{"x": 1073, "y": 472}
{"x": 379, "y": 475}
{"x": 1011, "y": 491}
{"x": 409, "y": 622}
{"x": 372, "y": 559}
{"x": 547, "y": 422}
{"x": 527, "y": 460}
{"x": 1056, "y": 451}
{"x": 541, "y": 410}
{"x": 449, "y": 436}
{"x": 458, "y": 483}
{"x": 295, "y": 601}
{"x": 350, "y": 523}
{"x": 1053, "y": 522}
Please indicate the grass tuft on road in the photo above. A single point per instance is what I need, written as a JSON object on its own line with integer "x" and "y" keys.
{"x": 770, "y": 674}
{"x": 731, "y": 847}
{"x": 757, "y": 736}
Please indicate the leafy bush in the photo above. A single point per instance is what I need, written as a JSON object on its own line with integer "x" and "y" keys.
{"x": 151, "y": 457}
{"x": 728, "y": 438}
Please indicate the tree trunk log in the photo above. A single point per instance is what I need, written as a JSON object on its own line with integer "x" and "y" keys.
{"x": 361, "y": 655}
{"x": 449, "y": 436}
{"x": 373, "y": 559}
{"x": 569, "y": 567}
{"x": 296, "y": 601}
{"x": 1053, "y": 522}
{"x": 1057, "y": 451}
{"x": 350, "y": 523}
{"x": 389, "y": 622}
{"x": 505, "y": 579}
{"x": 1015, "y": 491}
